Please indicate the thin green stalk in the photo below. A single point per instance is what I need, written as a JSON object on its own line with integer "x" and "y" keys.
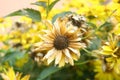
{"x": 86, "y": 51}
{"x": 81, "y": 63}
{"x": 111, "y": 14}
{"x": 47, "y": 10}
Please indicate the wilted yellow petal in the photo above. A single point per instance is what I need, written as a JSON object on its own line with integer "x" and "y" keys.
{"x": 58, "y": 57}
{"x": 62, "y": 61}
{"x": 74, "y": 56}
{"x": 107, "y": 48}
{"x": 51, "y": 58}
{"x": 11, "y": 73}
{"x": 26, "y": 77}
{"x": 70, "y": 60}
{"x": 5, "y": 77}
{"x": 18, "y": 76}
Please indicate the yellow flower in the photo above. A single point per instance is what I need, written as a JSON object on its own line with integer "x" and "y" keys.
{"x": 1, "y": 19}
{"x": 26, "y": 20}
{"x": 110, "y": 61}
{"x": 3, "y": 37}
{"x": 61, "y": 43}
{"x": 25, "y": 32}
{"x": 20, "y": 62}
{"x": 116, "y": 30}
{"x": 10, "y": 75}
{"x": 104, "y": 71}
{"x": 111, "y": 47}
{"x": 5, "y": 22}
{"x": 117, "y": 66}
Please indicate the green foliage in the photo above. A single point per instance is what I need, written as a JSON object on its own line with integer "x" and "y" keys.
{"x": 92, "y": 32}
{"x": 95, "y": 44}
{"x": 33, "y": 14}
{"x": 47, "y": 72}
{"x": 11, "y": 56}
{"x": 118, "y": 44}
{"x": 107, "y": 26}
{"x": 50, "y": 6}
{"x": 60, "y": 15}
{"x": 91, "y": 17}
{"x": 40, "y": 3}
{"x": 91, "y": 25}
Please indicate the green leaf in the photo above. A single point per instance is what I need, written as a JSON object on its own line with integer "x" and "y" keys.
{"x": 96, "y": 43}
{"x": 107, "y": 26}
{"x": 11, "y": 55}
{"x": 118, "y": 44}
{"x": 49, "y": 8}
{"x": 60, "y": 15}
{"x": 91, "y": 17}
{"x": 2, "y": 51}
{"x": 40, "y": 3}
{"x": 34, "y": 14}
{"x": 27, "y": 67}
{"x": 92, "y": 25}
{"x": 16, "y": 13}
{"x": 47, "y": 72}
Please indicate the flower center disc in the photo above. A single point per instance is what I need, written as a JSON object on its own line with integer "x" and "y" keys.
{"x": 61, "y": 42}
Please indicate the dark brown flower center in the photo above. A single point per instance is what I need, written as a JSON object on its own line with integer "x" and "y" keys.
{"x": 61, "y": 42}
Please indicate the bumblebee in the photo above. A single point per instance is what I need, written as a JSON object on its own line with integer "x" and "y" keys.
{"x": 77, "y": 20}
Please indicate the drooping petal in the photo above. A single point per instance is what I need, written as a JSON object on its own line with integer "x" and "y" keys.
{"x": 47, "y": 45}
{"x": 11, "y": 73}
{"x": 49, "y": 53}
{"x": 76, "y": 45}
{"x": 77, "y": 52}
{"x": 51, "y": 58}
{"x": 74, "y": 40}
{"x": 5, "y": 77}
{"x": 107, "y": 48}
{"x": 66, "y": 60}
{"x": 67, "y": 53}
{"x": 62, "y": 61}
{"x": 38, "y": 44}
{"x": 43, "y": 46}
{"x": 70, "y": 60}
{"x": 26, "y": 77}
{"x": 18, "y": 75}
{"x": 46, "y": 37}
{"x": 74, "y": 56}
{"x": 58, "y": 57}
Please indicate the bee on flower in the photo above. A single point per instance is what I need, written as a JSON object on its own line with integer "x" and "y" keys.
{"x": 80, "y": 22}
{"x": 77, "y": 20}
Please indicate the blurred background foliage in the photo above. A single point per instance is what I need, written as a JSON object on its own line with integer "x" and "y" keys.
{"x": 18, "y": 36}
